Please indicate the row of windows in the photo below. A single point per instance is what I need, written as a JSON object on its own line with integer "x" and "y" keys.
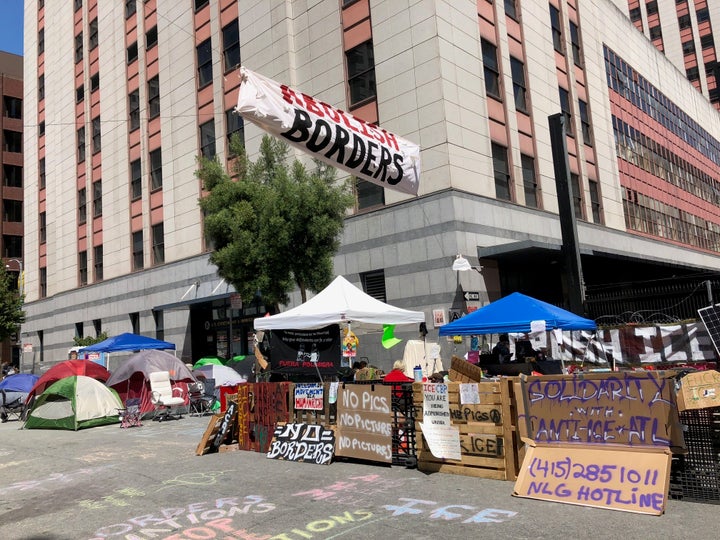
{"x": 647, "y": 215}
{"x": 630, "y": 84}
{"x": 637, "y": 148}
{"x": 157, "y": 233}
{"x": 557, "y": 36}
{"x": 151, "y": 39}
{"x": 231, "y": 53}
{"x": 491, "y": 72}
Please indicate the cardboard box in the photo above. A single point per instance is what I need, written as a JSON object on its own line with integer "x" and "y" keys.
{"x": 699, "y": 390}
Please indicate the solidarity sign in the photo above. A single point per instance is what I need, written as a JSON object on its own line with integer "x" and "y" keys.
{"x": 329, "y": 134}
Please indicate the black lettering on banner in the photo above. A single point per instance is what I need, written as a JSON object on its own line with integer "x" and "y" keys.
{"x": 303, "y": 442}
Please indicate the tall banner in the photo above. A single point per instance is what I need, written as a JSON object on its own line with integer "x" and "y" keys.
{"x": 302, "y": 351}
{"x": 331, "y": 135}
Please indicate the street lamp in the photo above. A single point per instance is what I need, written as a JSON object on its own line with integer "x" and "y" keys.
{"x": 21, "y": 291}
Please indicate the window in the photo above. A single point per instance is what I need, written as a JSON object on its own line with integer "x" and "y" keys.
{"x": 154, "y": 96}
{"x": 373, "y": 284}
{"x": 79, "y": 330}
{"x": 518, "y": 77}
{"x": 12, "y": 246}
{"x": 135, "y": 322}
{"x": 529, "y": 183}
{"x": 41, "y": 4}
{"x": 135, "y": 180}
{"x": 207, "y": 139}
{"x": 97, "y": 326}
{"x": 159, "y": 324}
{"x": 97, "y": 198}
{"x": 77, "y": 4}
{"x": 82, "y": 206}
{"x": 688, "y": 47}
{"x": 137, "y": 250}
{"x": 134, "y": 109}
{"x": 234, "y": 124}
{"x": 575, "y": 43}
{"x": 693, "y": 73}
{"x": 651, "y": 7}
{"x": 585, "y": 122}
{"x": 156, "y": 180}
{"x": 95, "y": 82}
{"x": 41, "y": 41}
{"x": 556, "y": 29}
{"x": 565, "y": 107}
{"x": 490, "y": 69}
{"x": 41, "y": 87}
{"x": 13, "y": 140}
{"x": 13, "y": 175}
{"x": 576, "y": 196}
{"x": 684, "y": 21}
{"x": 655, "y": 32}
{"x": 80, "y": 93}
{"x": 595, "y": 201}
{"x": 204, "y": 63}
{"x": 13, "y": 107}
{"x": 369, "y": 195}
{"x": 199, "y": 4}
{"x": 42, "y": 227}
{"x": 41, "y": 173}
{"x": 130, "y": 8}
{"x": 511, "y": 9}
{"x": 151, "y": 37}
{"x": 96, "y": 136}
{"x": 361, "y": 73}
{"x": 93, "y": 37}
{"x": 78, "y": 47}
{"x": 98, "y": 263}
{"x": 158, "y": 244}
{"x": 41, "y": 128}
{"x": 501, "y": 172}
{"x": 231, "y": 46}
{"x": 12, "y": 211}
{"x": 707, "y": 41}
{"x": 81, "y": 144}
{"x": 132, "y": 52}
{"x": 635, "y": 14}
{"x": 702, "y": 15}
{"x": 43, "y": 282}
{"x": 82, "y": 268}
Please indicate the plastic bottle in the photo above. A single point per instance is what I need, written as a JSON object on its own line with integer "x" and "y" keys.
{"x": 418, "y": 374}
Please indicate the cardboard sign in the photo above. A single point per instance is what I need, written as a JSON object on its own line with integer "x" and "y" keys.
{"x": 302, "y": 442}
{"x": 442, "y": 440}
{"x": 699, "y": 390}
{"x": 436, "y": 404}
{"x": 309, "y": 396}
{"x": 627, "y": 408}
{"x": 618, "y": 479}
{"x": 364, "y": 419}
{"x": 329, "y": 134}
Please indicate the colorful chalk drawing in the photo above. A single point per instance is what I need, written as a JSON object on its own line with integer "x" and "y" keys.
{"x": 53, "y": 479}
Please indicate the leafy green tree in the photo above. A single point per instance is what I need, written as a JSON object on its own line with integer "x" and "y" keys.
{"x": 273, "y": 226}
{"x": 11, "y": 302}
{"x": 89, "y": 340}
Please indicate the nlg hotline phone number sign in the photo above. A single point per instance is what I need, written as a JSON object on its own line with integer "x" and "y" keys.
{"x": 605, "y": 478}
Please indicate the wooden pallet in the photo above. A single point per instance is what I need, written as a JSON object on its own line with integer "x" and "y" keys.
{"x": 205, "y": 444}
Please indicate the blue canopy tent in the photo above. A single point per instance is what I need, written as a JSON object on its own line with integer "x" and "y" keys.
{"x": 128, "y": 342}
{"x": 513, "y": 314}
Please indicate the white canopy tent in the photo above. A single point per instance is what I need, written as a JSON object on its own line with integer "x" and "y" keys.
{"x": 339, "y": 302}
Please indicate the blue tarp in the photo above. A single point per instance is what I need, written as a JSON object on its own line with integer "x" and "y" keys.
{"x": 514, "y": 313}
{"x": 20, "y": 382}
{"x": 128, "y": 342}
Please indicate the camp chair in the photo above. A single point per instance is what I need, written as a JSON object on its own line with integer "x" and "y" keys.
{"x": 163, "y": 396}
{"x": 202, "y": 397}
{"x": 130, "y": 415}
{"x": 12, "y": 404}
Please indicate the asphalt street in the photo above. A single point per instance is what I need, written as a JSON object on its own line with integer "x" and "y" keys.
{"x": 147, "y": 482}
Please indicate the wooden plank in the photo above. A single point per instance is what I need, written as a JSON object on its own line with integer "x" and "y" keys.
{"x": 206, "y": 442}
{"x": 512, "y": 466}
{"x": 427, "y": 466}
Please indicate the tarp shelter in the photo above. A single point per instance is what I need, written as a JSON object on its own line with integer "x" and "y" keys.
{"x": 339, "y": 302}
{"x": 74, "y": 403}
{"x": 132, "y": 378}
{"x": 223, "y": 375}
{"x": 515, "y": 313}
{"x": 20, "y": 382}
{"x": 68, "y": 368}
{"x": 128, "y": 342}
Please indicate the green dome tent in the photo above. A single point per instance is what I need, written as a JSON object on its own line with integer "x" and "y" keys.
{"x": 208, "y": 360}
{"x": 74, "y": 403}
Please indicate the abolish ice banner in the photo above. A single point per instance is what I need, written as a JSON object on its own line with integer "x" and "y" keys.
{"x": 329, "y": 134}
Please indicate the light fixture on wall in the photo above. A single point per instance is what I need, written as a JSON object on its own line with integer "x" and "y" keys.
{"x": 461, "y": 264}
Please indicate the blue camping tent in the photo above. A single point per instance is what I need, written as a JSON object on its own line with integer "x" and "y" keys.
{"x": 20, "y": 382}
{"x": 128, "y": 342}
{"x": 514, "y": 313}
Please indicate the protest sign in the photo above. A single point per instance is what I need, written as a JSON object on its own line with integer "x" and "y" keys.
{"x": 302, "y": 442}
{"x": 365, "y": 422}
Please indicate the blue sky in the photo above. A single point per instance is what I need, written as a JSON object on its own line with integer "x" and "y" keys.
{"x": 11, "y": 26}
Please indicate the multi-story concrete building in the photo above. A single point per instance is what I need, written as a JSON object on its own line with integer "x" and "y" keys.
{"x": 122, "y": 96}
{"x": 11, "y": 190}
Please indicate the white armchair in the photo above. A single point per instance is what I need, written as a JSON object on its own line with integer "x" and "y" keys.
{"x": 164, "y": 397}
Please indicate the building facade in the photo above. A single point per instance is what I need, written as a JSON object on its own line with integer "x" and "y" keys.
{"x": 11, "y": 190}
{"x": 125, "y": 95}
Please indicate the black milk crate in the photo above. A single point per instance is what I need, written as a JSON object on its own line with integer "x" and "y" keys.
{"x": 695, "y": 476}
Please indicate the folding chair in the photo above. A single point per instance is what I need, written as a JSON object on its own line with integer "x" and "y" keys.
{"x": 202, "y": 397}
{"x": 12, "y": 404}
{"x": 130, "y": 416}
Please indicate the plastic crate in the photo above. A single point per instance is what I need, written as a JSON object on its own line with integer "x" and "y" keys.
{"x": 695, "y": 476}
